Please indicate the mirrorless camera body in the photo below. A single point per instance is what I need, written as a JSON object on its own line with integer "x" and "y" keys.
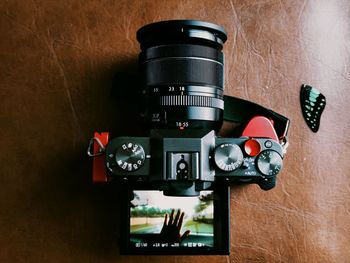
{"x": 186, "y": 162}
{"x": 181, "y": 68}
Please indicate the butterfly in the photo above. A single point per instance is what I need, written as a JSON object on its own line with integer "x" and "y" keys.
{"x": 312, "y": 105}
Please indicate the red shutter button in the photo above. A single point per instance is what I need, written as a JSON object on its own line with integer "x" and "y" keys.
{"x": 252, "y": 147}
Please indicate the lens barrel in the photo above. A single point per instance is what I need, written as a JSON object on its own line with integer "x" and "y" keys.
{"x": 182, "y": 68}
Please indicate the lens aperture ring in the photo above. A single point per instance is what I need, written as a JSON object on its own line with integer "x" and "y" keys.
{"x": 187, "y": 100}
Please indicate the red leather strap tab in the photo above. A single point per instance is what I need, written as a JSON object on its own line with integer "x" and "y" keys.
{"x": 260, "y": 127}
{"x": 99, "y": 174}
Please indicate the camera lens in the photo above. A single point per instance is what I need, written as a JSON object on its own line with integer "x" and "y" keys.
{"x": 182, "y": 68}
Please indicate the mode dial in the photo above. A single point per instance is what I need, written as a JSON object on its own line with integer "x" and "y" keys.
{"x": 228, "y": 157}
{"x": 269, "y": 163}
{"x": 130, "y": 156}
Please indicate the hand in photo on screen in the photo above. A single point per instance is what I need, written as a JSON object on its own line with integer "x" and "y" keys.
{"x": 171, "y": 228}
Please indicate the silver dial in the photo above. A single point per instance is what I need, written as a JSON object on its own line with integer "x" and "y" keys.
{"x": 228, "y": 157}
{"x": 269, "y": 163}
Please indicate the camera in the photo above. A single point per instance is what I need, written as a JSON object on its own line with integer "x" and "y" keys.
{"x": 190, "y": 161}
{"x": 181, "y": 172}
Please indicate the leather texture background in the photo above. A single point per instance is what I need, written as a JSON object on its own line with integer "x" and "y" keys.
{"x": 58, "y": 60}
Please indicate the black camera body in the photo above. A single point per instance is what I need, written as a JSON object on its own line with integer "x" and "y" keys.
{"x": 183, "y": 164}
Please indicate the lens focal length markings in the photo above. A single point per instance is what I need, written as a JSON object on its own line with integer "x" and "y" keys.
{"x": 183, "y": 73}
{"x": 197, "y": 106}
{"x": 211, "y": 91}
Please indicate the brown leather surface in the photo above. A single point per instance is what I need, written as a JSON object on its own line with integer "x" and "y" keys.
{"x": 57, "y": 62}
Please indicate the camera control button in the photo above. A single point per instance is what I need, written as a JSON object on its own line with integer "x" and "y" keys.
{"x": 268, "y": 144}
{"x": 252, "y": 147}
{"x": 269, "y": 163}
{"x": 130, "y": 157}
{"x": 245, "y": 164}
{"x": 228, "y": 157}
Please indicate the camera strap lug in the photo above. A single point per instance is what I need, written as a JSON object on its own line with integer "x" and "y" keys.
{"x": 90, "y": 150}
{"x": 284, "y": 144}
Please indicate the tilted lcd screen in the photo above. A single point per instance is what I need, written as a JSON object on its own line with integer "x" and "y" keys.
{"x": 163, "y": 222}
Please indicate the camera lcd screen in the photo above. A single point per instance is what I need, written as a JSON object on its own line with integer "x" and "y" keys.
{"x": 160, "y": 221}
{"x": 187, "y": 225}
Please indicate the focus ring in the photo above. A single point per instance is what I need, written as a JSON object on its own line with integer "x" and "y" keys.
{"x": 185, "y": 100}
{"x": 186, "y": 71}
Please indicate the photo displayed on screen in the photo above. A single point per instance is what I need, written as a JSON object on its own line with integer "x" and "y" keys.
{"x": 158, "y": 221}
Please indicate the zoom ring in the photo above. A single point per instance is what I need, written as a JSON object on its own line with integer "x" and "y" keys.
{"x": 185, "y": 100}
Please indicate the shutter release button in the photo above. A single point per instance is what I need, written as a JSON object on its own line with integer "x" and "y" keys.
{"x": 252, "y": 147}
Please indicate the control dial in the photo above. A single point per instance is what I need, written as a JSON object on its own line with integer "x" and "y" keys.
{"x": 228, "y": 157}
{"x": 130, "y": 156}
{"x": 269, "y": 163}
